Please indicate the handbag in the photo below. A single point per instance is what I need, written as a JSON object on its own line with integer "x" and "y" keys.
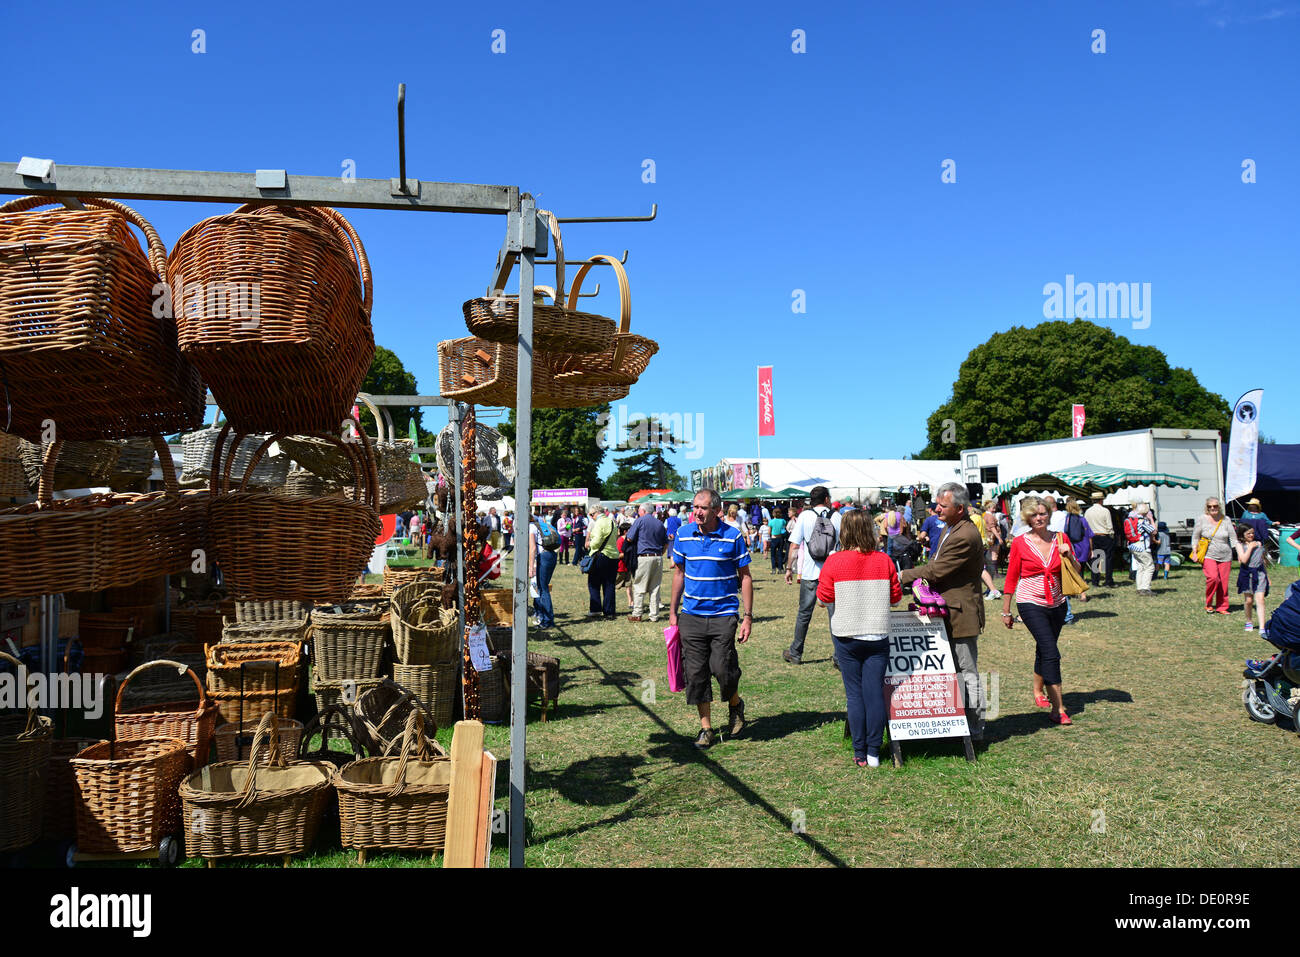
{"x": 590, "y": 557}
{"x": 1203, "y": 546}
{"x": 1072, "y": 583}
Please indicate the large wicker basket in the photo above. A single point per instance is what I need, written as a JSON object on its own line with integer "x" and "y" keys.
{"x": 268, "y": 804}
{"x": 485, "y": 373}
{"x": 434, "y": 686}
{"x": 80, "y": 342}
{"x": 24, "y": 755}
{"x": 348, "y": 640}
{"x": 127, "y": 794}
{"x": 250, "y": 679}
{"x": 397, "y": 802}
{"x": 424, "y": 633}
{"x": 622, "y": 363}
{"x": 279, "y": 546}
{"x": 297, "y": 364}
{"x": 396, "y": 576}
{"x": 192, "y": 724}
{"x": 100, "y": 541}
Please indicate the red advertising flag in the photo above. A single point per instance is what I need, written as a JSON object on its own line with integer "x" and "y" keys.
{"x": 1077, "y": 416}
{"x": 766, "y": 409}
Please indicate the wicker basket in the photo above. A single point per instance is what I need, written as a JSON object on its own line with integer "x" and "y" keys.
{"x": 61, "y": 788}
{"x": 119, "y": 538}
{"x": 127, "y": 794}
{"x": 24, "y": 756}
{"x": 290, "y": 629}
{"x": 330, "y": 693}
{"x": 544, "y": 680}
{"x": 245, "y": 693}
{"x": 397, "y": 802}
{"x": 299, "y": 366}
{"x": 434, "y": 686}
{"x": 497, "y": 605}
{"x": 274, "y": 609}
{"x": 13, "y": 479}
{"x": 396, "y": 576}
{"x": 424, "y": 633}
{"x": 199, "y": 621}
{"x": 336, "y": 723}
{"x": 624, "y": 362}
{"x": 160, "y": 685}
{"x": 367, "y": 592}
{"x": 278, "y": 546}
{"x": 191, "y": 724}
{"x": 485, "y": 373}
{"x": 198, "y": 449}
{"x": 348, "y": 640}
{"x": 401, "y": 483}
{"x": 266, "y": 805}
{"x": 235, "y": 742}
{"x": 309, "y": 485}
{"x": 489, "y": 470}
{"x": 383, "y": 711}
{"x": 79, "y": 340}
{"x": 81, "y": 464}
{"x": 107, "y": 629}
{"x": 494, "y": 691}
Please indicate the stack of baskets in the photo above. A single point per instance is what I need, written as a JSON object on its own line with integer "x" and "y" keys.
{"x": 248, "y": 679}
{"x": 426, "y": 641}
{"x": 348, "y": 642}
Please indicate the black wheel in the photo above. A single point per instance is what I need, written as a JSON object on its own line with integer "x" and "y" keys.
{"x": 169, "y": 852}
{"x": 1256, "y": 706}
{"x": 70, "y": 855}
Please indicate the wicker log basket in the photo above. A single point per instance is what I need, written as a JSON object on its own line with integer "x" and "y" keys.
{"x": 120, "y": 538}
{"x": 335, "y": 723}
{"x": 267, "y": 805}
{"x": 424, "y": 633}
{"x": 192, "y": 724}
{"x": 298, "y": 367}
{"x": 77, "y": 310}
{"x": 397, "y": 802}
{"x": 279, "y": 546}
{"x": 25, "y": 740}
{"x": 127, "y": 797}
{"x": 348, "y": 640}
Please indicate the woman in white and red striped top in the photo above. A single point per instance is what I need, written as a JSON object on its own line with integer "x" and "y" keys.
{"x": 858, "y": 584}
{"x": 1034, "y": 578}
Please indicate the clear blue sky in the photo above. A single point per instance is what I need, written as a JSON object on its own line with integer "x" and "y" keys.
{"x": 776, "y": 171}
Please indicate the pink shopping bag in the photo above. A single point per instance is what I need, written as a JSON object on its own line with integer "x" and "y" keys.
{"x": 676, "y": 674}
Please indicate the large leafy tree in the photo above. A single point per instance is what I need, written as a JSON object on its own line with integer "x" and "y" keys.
{"x": 1020, "y": 384}
{"x": 387, "y": 376}
{"x": 566, "y": 446}
{"x": 647, "y": 467}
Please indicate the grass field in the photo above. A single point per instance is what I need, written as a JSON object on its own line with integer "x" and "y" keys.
{"x": 1161, "y": 768}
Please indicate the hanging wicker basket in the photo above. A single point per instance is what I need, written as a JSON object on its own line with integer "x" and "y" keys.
{"x": 198, "y": 449}
{"x": 103, "y": 540}
{"x": 484, "y": 373}
{"x": 294, "y": 360}
{"x": 280, "y": 546}
{"x": 79, "y": 339}
{"x": 624, "y": 362}
{"x": 488, "y": 468}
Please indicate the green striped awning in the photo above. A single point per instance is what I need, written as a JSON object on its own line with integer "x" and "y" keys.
{"x": 1094, "y": 478}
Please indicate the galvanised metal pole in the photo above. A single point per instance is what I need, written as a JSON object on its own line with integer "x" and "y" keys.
{"x": 523, "y": 450}
{"x": 454, "y": 413}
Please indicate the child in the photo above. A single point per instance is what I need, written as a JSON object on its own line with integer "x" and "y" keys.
{"x": 1252, "y": 580}
{"x": 1162, "y": 549}
{"x": 765, "y": 535}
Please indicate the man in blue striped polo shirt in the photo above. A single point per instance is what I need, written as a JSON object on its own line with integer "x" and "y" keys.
{"x": 710, "y": 565}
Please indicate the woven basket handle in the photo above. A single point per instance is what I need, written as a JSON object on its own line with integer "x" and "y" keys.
{"x": 413, "y": 743}
{"x": 45, "y": 490}
{"x": 157, "y": 251}
{"x": 554, "y": 225}
{"x": 334, "y": 221}
{"x": 268, "y": 727}
{"x": 322, "y": 723}
{"x": 180, "y": 668}
{"x": 624, "y": 297}
{"x": 33, "y": 718}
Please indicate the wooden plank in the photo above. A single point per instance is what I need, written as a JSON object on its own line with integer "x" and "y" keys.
{"x": 463, "y": 801}
{"x": 487, "y": 793}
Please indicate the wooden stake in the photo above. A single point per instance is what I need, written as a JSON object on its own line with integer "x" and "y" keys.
{"x": 463, "y": 801}
{"x": 486, "y": 797}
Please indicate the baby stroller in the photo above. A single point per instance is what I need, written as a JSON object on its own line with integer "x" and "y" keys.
{"x": 1272, "y": 686}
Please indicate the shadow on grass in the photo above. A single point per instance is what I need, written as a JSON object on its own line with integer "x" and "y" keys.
{"x": 1084, "y": 615}
{"x": 601, "y": 780}
{"x": 1076, "y": 703}
{"x": 778, "y": 726}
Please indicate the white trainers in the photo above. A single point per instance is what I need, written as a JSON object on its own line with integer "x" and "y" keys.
{"x": 1250, "y": 626}
{"x": 992, "y": 595}
{"x": 873, "y": 761}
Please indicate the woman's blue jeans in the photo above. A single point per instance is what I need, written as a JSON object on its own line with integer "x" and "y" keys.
{"x": 542, "y": 604}
{"x": 862, "y": 666}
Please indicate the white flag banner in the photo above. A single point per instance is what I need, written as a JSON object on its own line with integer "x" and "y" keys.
{"x": 1243, "y": 446}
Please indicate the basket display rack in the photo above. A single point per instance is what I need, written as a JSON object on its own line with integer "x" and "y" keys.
{"x": 526, "y": 241}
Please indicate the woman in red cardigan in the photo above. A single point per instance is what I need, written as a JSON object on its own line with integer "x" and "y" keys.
{"x": 1034, "y": 578}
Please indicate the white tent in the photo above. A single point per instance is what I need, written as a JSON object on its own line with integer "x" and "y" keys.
{"x": 857, "y": 476}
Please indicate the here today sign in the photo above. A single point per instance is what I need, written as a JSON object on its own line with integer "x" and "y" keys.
{"x": 921, "y": 681}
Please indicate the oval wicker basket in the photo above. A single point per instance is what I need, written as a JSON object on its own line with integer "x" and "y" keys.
{"x": 77, "y": 310}
{"x": 298, "y": 366}
{"x": 624, "y": 362}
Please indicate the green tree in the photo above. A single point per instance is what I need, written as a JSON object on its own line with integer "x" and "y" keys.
{"x": 387, "y": 376}
{"x": 1020, "y": 384}
{"x": 566, "y": 446}
{"x": 647, "y": 467}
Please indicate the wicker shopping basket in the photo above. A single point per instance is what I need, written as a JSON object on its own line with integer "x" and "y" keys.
{"x": 79, "y": 339}
{"x": 127, "y": 793}
{"x": 555, "y": 329}
{"x": 397, "y": 802}
{"x": 268, "y": 804}
{"x": 100, "y": 541}
{"x": 348, "y": 640}
{"x": 192, "y": 724}
{"x": 298, "y": 367}
{"x": 622, "y": 363}
{"x": 424, "y": 632}
{"x": 25, "y": 740}
{"x": 250, "y": 679}
{"x": 280, "y": 546}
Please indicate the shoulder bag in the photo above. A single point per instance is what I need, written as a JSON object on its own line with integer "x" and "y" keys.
{"x": 589, "y": 558}
{"x": 1203, "y": 545}
{"x": 1072, "y": 583}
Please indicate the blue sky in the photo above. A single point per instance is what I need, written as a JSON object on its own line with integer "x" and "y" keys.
{"x": 775, "y": 171}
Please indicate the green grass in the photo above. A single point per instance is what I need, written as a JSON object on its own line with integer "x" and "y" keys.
{"x": 1161, "y": 746}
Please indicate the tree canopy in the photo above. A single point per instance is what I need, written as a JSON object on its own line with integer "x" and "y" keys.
{"x": 1019, "y": 386}
{"x": 647, "y": 467}
{"x": 566, "y": 452}
{"x": 387, "y": 376}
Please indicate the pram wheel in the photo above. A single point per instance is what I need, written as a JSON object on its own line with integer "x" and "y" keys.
{"x": 1256, "y": 706}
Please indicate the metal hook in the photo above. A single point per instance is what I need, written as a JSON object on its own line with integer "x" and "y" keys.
{"x": 577, "y": 262}
{"x": 654, "y": 211}
{"x": 400, "y": 187}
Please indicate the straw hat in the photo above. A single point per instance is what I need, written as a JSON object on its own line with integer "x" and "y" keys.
{"x": 1097, "y": 496}
{"x": 1253, "y": 501}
